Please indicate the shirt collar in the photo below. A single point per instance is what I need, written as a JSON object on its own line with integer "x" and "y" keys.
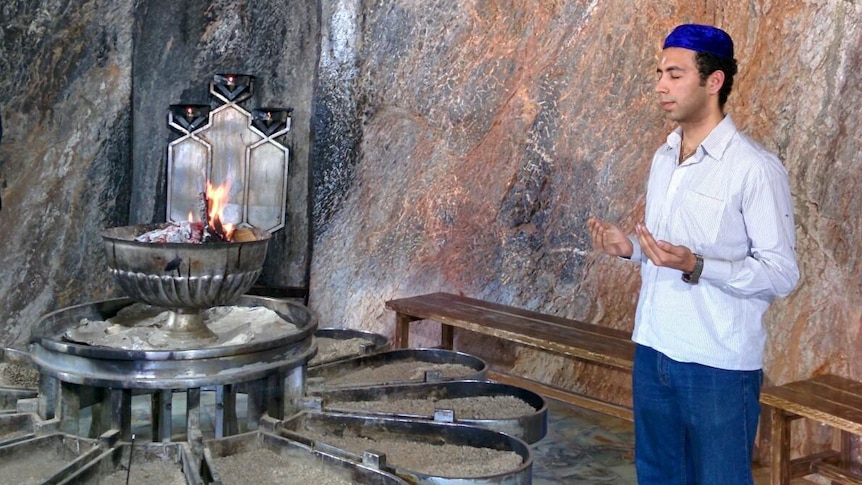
{"x": 715, "y": 144}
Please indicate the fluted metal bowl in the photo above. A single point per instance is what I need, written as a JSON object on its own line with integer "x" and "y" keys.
{"x": 183, "y": 277}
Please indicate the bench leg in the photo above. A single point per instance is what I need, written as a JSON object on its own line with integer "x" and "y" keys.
{"x": 447, "y": 336}
{"x": 780, "y": 469}
{"x": 844, "y": 448}
{"x": 402, "y": 330}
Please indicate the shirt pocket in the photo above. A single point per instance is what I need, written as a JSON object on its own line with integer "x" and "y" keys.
{"x": 698, "y": 219}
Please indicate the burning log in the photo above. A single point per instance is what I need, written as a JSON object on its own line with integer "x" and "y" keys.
{"x": 211, "y": 205}
{"x": 215, "y": 231}
{"x": 214, "y": 203}
{"x": 244, "y": 234}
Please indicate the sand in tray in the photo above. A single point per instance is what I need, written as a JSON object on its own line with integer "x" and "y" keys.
{"x": 17, "y": 375}
{"x": 147, "y": 473}
{"x": 399, "y": 372}
{"x": 446, "y": 460}
{"x": 332, "y": 349}
{"x": 473, "y": 407}
{"x": 263, "y": 467}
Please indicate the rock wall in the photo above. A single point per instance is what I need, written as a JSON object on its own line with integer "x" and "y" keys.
{"x": 64, "y": 159}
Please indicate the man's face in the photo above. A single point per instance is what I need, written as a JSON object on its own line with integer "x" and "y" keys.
{"x": 682, "y": 95}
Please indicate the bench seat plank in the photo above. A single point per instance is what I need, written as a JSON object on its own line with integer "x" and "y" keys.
{"x": 830, "y": 399}
{"x": 590, "y": 342}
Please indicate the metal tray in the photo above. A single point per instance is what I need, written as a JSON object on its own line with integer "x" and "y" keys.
{"x": 116, "y": 459}
{"x": 59, "y": 456}
{"x": 10, "y": 393}
{"x": 305, "y": 424}
{"x": 16, "y": 427}
{"x": 377, "y": 343}
{"x": 529, "y": 427}
{"x": 319, "y": 375}
{"x": 349, "y": 470}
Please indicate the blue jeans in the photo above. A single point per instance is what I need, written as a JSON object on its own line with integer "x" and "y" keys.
{"x": 694, "y": 424}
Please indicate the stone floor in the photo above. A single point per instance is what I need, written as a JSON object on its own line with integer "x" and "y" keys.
{"x": 584, "y": 447}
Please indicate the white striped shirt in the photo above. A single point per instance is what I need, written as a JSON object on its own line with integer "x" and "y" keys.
{"x": 731, "y": 204}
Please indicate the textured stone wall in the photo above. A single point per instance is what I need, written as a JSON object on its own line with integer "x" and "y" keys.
{"x": 64, "y": 159}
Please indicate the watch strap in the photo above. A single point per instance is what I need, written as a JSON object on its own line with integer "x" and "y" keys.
{"x": 693, "y": 277}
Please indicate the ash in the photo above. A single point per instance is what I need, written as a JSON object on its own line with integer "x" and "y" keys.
{"x": 139, "y": 327}
{"x": 175, "y": 232}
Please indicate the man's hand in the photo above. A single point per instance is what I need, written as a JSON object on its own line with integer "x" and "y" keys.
{"x": 663, "y": 253}
{"x": 609, "y": 238}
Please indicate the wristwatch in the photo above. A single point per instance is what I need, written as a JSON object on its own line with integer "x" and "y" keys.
{"x": 693, "y": 277}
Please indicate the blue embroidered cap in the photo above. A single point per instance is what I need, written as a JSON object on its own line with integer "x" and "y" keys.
{"x": 701, "y": 38}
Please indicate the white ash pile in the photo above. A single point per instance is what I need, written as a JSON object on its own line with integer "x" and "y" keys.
{"x": 146, "y": 473}
{"x": 264, "y": 466}
{"x": 140, "y": 327}
{"x": 194, "y": 233}
{"x": 177, "y": 232}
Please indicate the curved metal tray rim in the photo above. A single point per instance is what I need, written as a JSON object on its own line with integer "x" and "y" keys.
{"x": 391, "y": 355}
{"x": 107, "y": 353}
{"x": 531, "y": 427}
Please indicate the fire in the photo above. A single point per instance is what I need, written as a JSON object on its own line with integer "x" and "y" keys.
{"x": 216, "y": 203}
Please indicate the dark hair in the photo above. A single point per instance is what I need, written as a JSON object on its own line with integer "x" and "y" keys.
{"x": 708, "y": 64}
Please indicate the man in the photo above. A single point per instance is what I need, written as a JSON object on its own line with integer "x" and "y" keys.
{"x": 716, "y": 247}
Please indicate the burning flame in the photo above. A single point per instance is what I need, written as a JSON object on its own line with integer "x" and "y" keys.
{"x": 217, "y": 197}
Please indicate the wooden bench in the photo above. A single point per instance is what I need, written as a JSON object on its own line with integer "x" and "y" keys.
{"x": 588, "y": 342}
{"x": 828, "y": 399}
